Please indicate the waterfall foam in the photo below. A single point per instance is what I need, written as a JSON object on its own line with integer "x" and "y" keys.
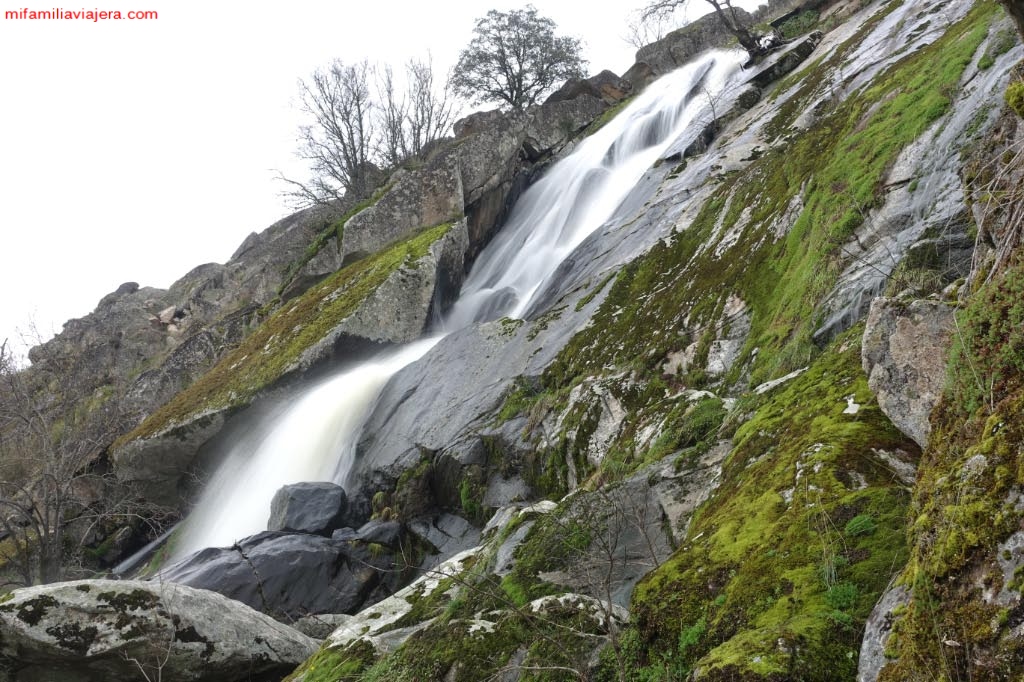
{"x": 315, "y": 438}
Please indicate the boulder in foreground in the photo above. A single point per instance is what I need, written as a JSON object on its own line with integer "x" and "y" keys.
{"x": 106, "y": 631}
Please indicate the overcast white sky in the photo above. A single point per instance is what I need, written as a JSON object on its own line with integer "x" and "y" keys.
{"x": 136, "y": 150}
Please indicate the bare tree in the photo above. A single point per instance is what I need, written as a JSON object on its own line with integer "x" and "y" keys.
{"x": 431, "y": 111}
{"x": 642, "y": 31}
{"x": 409, "y": 121}
{"x": 390, "y": 117}
{"x": 363, "y": 122}
{"x": 608, "y": 534}
{"x": 339, "y": 142}
{"x": 53, "y": 437}
{"x": 515, "y": 58}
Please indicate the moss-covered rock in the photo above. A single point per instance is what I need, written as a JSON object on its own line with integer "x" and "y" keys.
{"x": 96, "y": 630}
{"x": 773, "y": 236}
{"x": 964, "y": 576}
{"x": 1015, "y": 97}
{"x": 784, "y": 562}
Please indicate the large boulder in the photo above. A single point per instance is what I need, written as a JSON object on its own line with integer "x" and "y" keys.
{"x": 291, "y": 575}
{"x": 605, "y": 86}
{"x": 904, "y": 355}
{"x": 417, "y": 199}
{"x": 106, "y": 631}
{"x": 554, "y": 124}
{"x": 317, "y": 508}
{"x": 877, "y": 631}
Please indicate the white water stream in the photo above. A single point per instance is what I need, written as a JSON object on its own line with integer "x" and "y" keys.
{"x": 315, "y": 436}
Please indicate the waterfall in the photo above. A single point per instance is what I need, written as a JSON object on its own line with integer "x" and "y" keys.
{"x": 314, "y": 438}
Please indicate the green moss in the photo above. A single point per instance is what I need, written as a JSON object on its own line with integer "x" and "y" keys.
{"x": 965, "y": 501}
{"x": 767, "y": 572}
{"x": 31, "y": 611}
{"x": 74, "y": 636}
{"x": 802, "y": 23}
{"x": 834, "y": 170}
{"x": 1015, "y": 97}
{"x": 551, "y": 646}
{"x": 266, "y": 354}
{"x": 471, "y": 496}
{"x": 610, "y": 113}
{"x": 331, "y": 231}
{"x": 332, "y": 664}
{"x": 988, "y": 352}
{"x": 509, "y": 326}
{"x": 583, "y": 302}
{"x": 541, "y": 323}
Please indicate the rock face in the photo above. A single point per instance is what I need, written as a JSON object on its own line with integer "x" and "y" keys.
{"x": 680, "y": 46}
{"x": 904, "y": 355}
{"x": 605, "y": 86}
{"x": 175, "y": 335}
{"x": 417, "y": 199}
{"x": 105, "y": 631}
{"x": 317, "y": 508}
{"x": 292, "y": 575}
{"x": 877, "y": 631}
{"x": 393, "y": 302}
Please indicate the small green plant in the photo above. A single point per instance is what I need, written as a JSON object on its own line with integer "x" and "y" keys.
{"x": 690, "y": 637}
{"x": 862, "y": 524}
{"x": 842, "y": 597}
{"x": 799, "y": 25}
{"x": 1015, "y": 97}
{"x": 468, "y": 497}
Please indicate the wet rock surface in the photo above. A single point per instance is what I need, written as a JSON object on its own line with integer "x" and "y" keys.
{"x": 291, "y": 575}
{"x": 317, "y": 508}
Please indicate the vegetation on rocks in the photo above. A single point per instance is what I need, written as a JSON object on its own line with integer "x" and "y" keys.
{"x": 782, "y": 565}
{"x": 271, "y": 350}
{"x": 965, "y": 568}
{"x": 832, "y": 171}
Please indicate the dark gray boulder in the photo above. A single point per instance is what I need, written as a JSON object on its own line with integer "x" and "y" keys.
{"x": 388, "y": 533}
{"x": 106, "y": 631}
{"x": 344, "y": 535}
{"x": 317, "y": 508}
{"x": 291, "y": 575}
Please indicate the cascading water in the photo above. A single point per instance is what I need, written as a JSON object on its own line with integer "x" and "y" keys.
{"x": 315, "y": 438}
{"x": 582, "y": 192}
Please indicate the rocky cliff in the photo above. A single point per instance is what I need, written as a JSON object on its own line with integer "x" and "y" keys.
{"x": 760, "y": 425}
